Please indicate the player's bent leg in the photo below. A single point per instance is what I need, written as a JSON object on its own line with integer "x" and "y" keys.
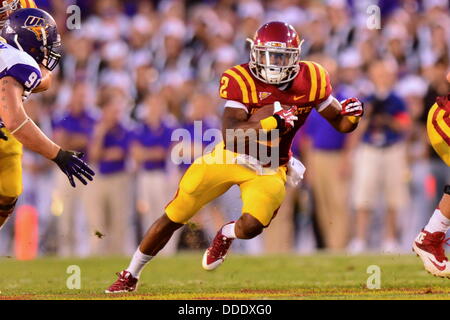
{"x": 154, "y": 240}
{"x": 196, "y": 189}
{"x": 158, "y": 235}
{"x": 7, "y": 205}
{"x": 429, "y": 244}
{"x": 261, "y": 197}
{"x": 10, "y": 176}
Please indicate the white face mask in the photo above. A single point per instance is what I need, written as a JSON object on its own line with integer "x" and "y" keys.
{"x": 274, "y": 65}
{"x": 6, "y": 9}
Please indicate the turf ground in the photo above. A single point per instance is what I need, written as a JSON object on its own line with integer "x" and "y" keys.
{"x": 320, "y": 276}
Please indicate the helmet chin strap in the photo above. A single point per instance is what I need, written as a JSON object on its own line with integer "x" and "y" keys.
{"x": 16, "y": 41}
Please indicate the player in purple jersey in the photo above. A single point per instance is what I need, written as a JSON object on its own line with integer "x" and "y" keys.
{"x": 32, "y": 40}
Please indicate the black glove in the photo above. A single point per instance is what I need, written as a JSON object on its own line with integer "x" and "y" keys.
{"x": 2, "y": 134}
{"x": 71, "y": 164}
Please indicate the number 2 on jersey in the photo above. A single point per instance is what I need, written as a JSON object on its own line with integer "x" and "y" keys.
{"x": 224, "y": 85}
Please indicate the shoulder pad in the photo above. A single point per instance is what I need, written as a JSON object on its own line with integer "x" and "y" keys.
{"x": 238, "y": 84}
{"x": 319, "y": 85}
{"x": 20, "y": 66}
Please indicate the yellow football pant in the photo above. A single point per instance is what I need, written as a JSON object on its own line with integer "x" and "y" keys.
{"x": 209, "y": 177}
{"x": 10, "y": 167}
{"x": 439, "y": 132}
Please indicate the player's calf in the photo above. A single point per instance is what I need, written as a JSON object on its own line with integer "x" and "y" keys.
{"x": 7, "y": 205}
{"x": 248, "y": 227}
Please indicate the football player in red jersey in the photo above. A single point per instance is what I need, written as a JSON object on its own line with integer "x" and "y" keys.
{"x": 275, "y": 76}
{"x": 429, "y": 243}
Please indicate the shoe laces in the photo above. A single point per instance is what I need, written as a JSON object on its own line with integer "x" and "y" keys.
{"x": 122, "y": 280}
{"x": 220, "y": 246}
{"x": 438, "y": 241}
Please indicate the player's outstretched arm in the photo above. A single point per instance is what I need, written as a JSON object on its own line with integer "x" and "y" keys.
{"x": 28, "y": 133}
{"x": 345, "y": 115}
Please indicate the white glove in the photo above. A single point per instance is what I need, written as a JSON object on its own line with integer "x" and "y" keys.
{"x": 295, "y": 172}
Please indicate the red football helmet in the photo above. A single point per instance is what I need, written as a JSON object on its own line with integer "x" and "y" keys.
{"x": 275, "y": 53}
{"x": 7, "y": 6}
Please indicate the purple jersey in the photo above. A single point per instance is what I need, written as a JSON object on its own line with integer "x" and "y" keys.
{"x": 20, "y": 66}
{"x": 149, "y": 137}
{"x": 119, "y": 136}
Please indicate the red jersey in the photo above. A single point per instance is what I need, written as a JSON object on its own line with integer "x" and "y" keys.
{"x": 308, "y": 90}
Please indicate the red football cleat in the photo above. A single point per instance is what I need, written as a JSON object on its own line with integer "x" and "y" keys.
{"x": 216, "y": 253}
{"x": 125, "y": 283}
{"x": 430, "y": 248}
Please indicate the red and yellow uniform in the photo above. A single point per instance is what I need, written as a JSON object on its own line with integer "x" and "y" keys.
{"x": 212, "y": 175}
{"x": 308, "y": 90}
{"x": 27, "y": 4}
{"x": 438, "y": 127}
{"x": 11, "y": 152}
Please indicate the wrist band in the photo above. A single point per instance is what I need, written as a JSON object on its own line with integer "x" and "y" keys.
{"x": 269, "y": 123}
{"x": 21, "y": 125}
{"x": 353, "y": 119}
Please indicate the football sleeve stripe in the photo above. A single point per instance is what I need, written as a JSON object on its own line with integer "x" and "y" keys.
{"x": 439, "y": 138}
{"x": 313, "y": 77}
{"x": 241, "y": 85}
{"x": 440, "y": 124}
{"x": 250, "y": 81}
{"x": 28, "y": 4}
{"x": 323, "y": 80}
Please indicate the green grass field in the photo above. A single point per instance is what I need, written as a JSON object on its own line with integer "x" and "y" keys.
{"x": 320, "y": 276}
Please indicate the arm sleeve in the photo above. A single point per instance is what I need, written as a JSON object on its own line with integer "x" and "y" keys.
{"x": 28, "y": 76}
{"x": 323, "y": 87}
{"x": 236, "y": 105}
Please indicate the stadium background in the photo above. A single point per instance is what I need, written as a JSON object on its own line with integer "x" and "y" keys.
{"x": 160, "y": 62}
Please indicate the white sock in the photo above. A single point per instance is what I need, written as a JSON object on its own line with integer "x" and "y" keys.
{"x": 138, "y": 263}
{"x": 438, "y": 222}
{"x": 228, "y": 230}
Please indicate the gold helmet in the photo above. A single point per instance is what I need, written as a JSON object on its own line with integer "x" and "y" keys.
{"x": 7, "y": 6}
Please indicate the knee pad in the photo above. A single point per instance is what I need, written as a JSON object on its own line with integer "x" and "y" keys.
{"x": 447, "y": 189}
{"x": 7, "y": 209}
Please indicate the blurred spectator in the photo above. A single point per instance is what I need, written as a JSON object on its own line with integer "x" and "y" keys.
{"x": 81, "y": 61}
{"x": 327, "y": 157}
{"x": 109, "y": 205}
{"x": 72, "y": 131}
{"x": 422, "y": 183}
{"x": 150, "y": 150}
{"x": 380, "y": 163}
